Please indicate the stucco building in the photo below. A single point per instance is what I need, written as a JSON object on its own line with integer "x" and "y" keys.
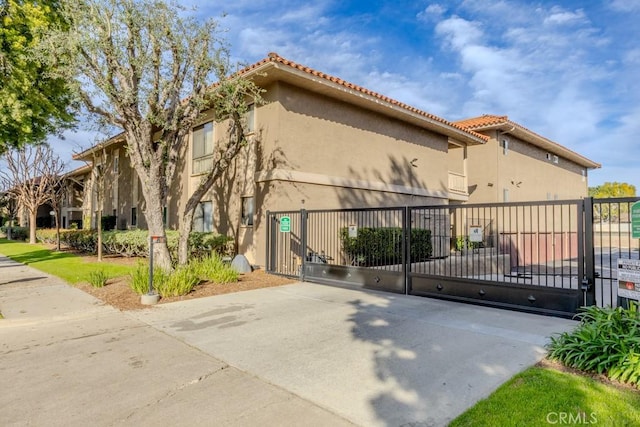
{"x": 516, "y": 164}
{"x": 318, "y": 142}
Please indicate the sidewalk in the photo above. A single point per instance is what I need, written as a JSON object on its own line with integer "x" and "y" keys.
{"x": 300, "y": 354}
{"x": 69, "y": 360}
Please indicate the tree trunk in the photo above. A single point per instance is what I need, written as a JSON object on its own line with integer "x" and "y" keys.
{"x": 161, "y": 255}
{"x": 57, "y": 231}
{"x": 32, "y": 226}
{"x": 99, "y": 228}
{"x": 185, "y": 230}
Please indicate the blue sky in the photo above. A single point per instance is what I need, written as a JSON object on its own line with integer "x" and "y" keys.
{"x": 567, "y": 70}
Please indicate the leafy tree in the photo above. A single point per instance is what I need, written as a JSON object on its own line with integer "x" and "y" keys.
{"x": 612, "y": 189}
{"x": 612, "y": 211}
{"x": 33, "y": 104}
{"x": 144, "y": 66}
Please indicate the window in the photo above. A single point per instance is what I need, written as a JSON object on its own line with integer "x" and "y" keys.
{"x": 247, "y": 211}
{"x": 555, "y": 159}
{"x": 505, "y": 195}
{"x": 134, "y": 217}
{"x": 251, "y": 118}
{"x": 116, "y": 159}
{"x": 203, "y": 217}
{"x": 202, "y": 150}
{"x": 505, "y": 146}
{"x": 549, "y": 156}
{"x": 584, "y": 175}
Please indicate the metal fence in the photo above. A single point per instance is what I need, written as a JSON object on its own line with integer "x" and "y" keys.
{"x": 549, "y": 257}
{"x": 612, "y": 240}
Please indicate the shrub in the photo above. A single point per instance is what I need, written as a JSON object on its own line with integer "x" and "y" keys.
{"x": 17, "y": 233}
{"x": 47, "y": 235}
{"x": 98, "y": 278}
{"x": 607, "y": 340}
{"x": 139, "y": 278}
{"x": 82, "y": 240}
{"x": 179, "y": 282}
{"x": 383, "y": 245}
{"x": 135, "y": 243}
{"x": 214, "y": 269}
{"x": 462, "y": 242}
{"x": 204, "y": 244}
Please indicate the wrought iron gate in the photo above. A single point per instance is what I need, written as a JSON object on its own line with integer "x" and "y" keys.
{"x": 546, "y": 257}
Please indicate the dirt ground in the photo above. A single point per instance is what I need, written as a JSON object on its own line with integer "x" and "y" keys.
{"x": 118, "y": 293}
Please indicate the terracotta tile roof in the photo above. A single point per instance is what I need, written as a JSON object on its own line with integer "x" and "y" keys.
{"x": 483, "y": 121}
{"x": 275, "y": 58}
{"x": 489, "y": 121}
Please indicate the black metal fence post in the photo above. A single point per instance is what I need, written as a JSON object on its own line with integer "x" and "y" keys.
{"x": 588, "y": 284}
{"x": 267, "y": 253}
{"x": 406, "y": 248}
{"x": 303, "y": 243}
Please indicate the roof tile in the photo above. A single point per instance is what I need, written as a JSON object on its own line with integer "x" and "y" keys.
{"x": 274, "y": 57}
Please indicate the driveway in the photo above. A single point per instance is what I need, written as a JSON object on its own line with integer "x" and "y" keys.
{"x": 375, "y": 359}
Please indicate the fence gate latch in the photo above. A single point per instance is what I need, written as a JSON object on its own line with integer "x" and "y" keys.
{"x": 585, "y": 285}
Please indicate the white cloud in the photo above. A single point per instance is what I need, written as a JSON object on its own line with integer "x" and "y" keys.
{"x": 459, "y": 32}
{"x": 560, "y": 16}
{"x": 625, "y": 5}
{"x": 432, "y": 11}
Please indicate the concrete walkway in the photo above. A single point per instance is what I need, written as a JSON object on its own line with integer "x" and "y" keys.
{"x": 69, "y": 360}
{"x": 301, "y": 354}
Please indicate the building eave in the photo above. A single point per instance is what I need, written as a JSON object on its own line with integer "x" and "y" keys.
{"x": 508, "y": 127}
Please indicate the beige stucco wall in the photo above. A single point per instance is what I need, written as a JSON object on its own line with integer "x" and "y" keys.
{"x": 524, "y": 171}
{"x": 310, "y": 151}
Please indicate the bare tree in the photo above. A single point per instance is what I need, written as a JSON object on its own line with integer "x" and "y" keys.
{"x": 57, "y": 195}
{"x": 145, "y": 67}
{"x": 8, "y": 203}
{"x": 32, "y": 174}
{"x": 101, "y": 165}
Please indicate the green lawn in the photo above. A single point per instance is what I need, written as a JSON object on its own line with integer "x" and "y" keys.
{"x": 541, "y": 396}
{"x": 67, "y": 266}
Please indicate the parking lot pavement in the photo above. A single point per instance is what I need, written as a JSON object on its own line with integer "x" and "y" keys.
{"x": 372, "y": 358}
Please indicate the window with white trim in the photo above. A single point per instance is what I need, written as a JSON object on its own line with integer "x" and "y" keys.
{"x": 202, "y": 148}
{"x": 505, "y": 146}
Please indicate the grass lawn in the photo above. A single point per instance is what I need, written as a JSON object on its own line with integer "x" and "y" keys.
{"x": 68, "y": 266}
{"x": 541, "y": 396}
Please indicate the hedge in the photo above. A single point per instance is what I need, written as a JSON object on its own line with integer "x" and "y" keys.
{"x": 135, "y": 243}
{"x": 383, "y": 246}
{"x": 17, "y": 233}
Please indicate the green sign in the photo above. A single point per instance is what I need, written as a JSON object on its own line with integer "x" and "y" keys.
{"x": 635, "y": 220}
{"x": 285, "y": 224}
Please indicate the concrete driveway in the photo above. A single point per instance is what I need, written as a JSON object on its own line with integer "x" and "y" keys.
{"x": 375, "y": 359}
